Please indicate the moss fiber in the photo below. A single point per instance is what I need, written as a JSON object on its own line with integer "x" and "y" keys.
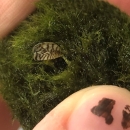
{"x": 93, "y": 36}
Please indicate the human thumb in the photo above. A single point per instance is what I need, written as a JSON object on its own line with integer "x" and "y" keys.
{"x": 102, "y": 107}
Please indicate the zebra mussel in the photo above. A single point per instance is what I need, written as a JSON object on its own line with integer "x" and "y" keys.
{"x": 46, "y": 51}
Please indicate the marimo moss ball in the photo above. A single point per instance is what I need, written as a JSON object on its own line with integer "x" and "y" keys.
{"x": 64, "y": 46}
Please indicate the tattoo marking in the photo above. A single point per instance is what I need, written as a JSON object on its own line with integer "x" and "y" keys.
{"x": 126, "y": 117}
{"x": 104, "y": 109}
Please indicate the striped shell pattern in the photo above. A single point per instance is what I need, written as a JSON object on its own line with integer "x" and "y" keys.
{"x": 46, "y": 51}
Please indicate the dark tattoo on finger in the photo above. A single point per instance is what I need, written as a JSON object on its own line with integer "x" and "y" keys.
{"x": 126, "y": 117}
{"x": 104, "y": 109}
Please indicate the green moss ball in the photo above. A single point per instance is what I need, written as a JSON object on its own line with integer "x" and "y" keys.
{"x": 94, "y": 39}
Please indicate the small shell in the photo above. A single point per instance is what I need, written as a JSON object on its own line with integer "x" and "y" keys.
{"x": 46, "y": 51}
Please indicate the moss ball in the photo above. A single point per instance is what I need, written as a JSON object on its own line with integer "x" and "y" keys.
{"x": 94, "y": 40}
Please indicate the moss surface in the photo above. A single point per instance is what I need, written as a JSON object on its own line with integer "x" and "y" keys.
{"x": 94, "y": 36}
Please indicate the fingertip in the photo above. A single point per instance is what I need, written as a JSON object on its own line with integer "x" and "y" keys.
{"x": 123, "y": 5}
{"x": 12, "y": 12}
{"x": 103, "y": 107}
{"x": 85, "y": 109}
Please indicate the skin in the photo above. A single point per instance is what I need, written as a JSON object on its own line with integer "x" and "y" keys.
{"x": 12, "y": 12}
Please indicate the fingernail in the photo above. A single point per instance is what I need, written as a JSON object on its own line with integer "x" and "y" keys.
{"x": 101, "y": 111}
